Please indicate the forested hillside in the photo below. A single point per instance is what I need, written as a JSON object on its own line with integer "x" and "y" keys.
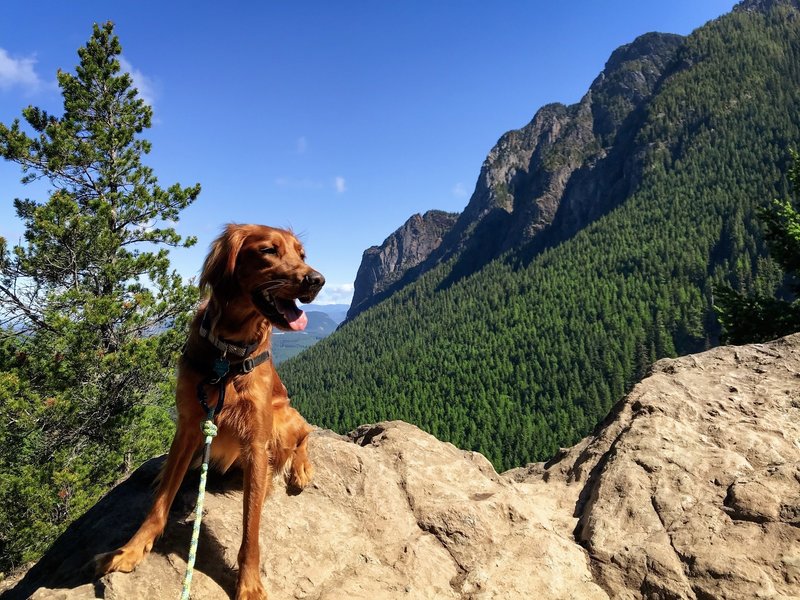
{"x": 528, "y": 352}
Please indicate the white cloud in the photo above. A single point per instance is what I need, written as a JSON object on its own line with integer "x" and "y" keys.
{"x": 18, "y": 72}
{"x": 140, "y": 81}
{"x": 335, "y": 294}
{"x": 460, "y": 190}
{"x": 339, "y": 184}
{"x": 301, "y": 144}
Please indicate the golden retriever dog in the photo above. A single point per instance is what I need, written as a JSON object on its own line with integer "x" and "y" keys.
{"x": 253, "y": 275}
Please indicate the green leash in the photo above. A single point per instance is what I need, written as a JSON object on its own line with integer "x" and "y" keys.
{"x": 209, "y": 430}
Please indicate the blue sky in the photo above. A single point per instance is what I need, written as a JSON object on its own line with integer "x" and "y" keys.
{"x": 338, "y": 119}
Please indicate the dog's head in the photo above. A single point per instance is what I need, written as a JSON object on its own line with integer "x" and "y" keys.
{"x": 264, "y": 266}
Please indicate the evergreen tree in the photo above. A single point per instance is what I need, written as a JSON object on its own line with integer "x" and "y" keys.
{"x": 760, "y": 317}
{"x": 93, "y": 314}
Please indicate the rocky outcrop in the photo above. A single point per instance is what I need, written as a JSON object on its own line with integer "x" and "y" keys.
{"x": 764, "y": 5}
{"x": 383, "y": 266}
{"x": 392, "y": 513}
{"x": 689, "y": 490}
{"x": 570, "y": 164}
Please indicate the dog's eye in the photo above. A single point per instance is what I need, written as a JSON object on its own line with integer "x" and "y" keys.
{"x": 268, "y": 250}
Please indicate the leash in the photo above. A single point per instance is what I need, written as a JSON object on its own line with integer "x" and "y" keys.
{"x": 210, "y": 431}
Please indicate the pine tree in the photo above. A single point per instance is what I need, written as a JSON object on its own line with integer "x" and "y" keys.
{"x": 93, "y": 314}
{"x": 758, "y": 317}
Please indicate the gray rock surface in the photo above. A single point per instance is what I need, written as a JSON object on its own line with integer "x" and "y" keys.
{"x": 383, "y": 266}
{"x": 689, "y": 490}
{"x": 570, "y": 164}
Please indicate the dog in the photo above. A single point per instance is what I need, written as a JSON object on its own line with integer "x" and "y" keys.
{"x": 253, "y": 274}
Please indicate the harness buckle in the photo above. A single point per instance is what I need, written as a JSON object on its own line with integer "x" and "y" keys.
{"x": 248, "y": 364}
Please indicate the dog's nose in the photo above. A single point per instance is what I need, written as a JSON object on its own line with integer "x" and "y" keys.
{"x": 314, "y": 280}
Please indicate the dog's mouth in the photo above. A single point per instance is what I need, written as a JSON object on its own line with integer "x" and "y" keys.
{"x": 281, "y": 312}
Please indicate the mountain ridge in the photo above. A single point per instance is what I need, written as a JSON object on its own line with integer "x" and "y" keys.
{"x": 383, "y": 268}
{"x": 764, "y": 6}
{"x": 531, "y": 181}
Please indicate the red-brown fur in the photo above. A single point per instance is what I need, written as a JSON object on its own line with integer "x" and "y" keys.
{"x": 257, "y": 429}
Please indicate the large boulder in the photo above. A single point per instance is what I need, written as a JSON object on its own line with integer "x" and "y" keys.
{"x": 392, "y": 513}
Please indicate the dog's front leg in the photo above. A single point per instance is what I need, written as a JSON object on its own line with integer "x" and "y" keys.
{"x": 257, "y": 483}
{"x": 186, "y": 441}
{"x": 302, "y": 470}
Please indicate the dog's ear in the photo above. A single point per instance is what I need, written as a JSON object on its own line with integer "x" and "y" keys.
{"x": 220, "y": 263}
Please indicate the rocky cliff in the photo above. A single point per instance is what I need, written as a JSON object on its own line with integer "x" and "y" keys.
{"x": 385, "y": 265}
{"x": 764, "y": 5}
{"x": 689, "y": 490}
{"x": 564, "y": 169}
{"x": 574, "y": 159}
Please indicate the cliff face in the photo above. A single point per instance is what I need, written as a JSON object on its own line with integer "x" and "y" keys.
{"x": 383, "y": 266}
{"x": 689, "y": 490}
{"x": 570, "y": 158}
{"x": 566, "y": 168}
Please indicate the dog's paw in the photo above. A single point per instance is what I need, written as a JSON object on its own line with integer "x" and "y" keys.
{"x": 122, "y": 559}
{"x": 252, "y": 590}
{"x": 302, "y": 473}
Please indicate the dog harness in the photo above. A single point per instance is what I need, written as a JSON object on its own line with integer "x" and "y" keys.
{"x": 222, "y": 368}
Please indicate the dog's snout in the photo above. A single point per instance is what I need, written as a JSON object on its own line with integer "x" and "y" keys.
{"x": 313, "y": 280}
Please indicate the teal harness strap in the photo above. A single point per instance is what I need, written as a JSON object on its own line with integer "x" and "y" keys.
{"x": 209, "y": 430}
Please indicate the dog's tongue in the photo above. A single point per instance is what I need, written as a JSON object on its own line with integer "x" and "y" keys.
{"x": 298, "y": 324}
{"x": 295, "y": 317}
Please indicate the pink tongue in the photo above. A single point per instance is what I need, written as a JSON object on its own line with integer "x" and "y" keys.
{"x": 299, "y": 322}
{"x": 295, "y": 317}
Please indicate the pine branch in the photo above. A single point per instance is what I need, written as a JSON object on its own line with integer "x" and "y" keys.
{"x": 22, "y": 307}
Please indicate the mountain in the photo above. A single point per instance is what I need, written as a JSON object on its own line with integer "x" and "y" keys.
{"x": 567, "y": 167}
{"x": 384, "y": 268}
{"x": 589, "y": 249}
{"x": 336, "y": 312}
{"x": 689, "y": 489}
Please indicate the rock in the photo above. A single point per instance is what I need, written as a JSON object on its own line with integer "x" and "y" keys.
{"x": 764, "y": 6}
{"x": 383, "y": 266}
{"x": 690, "y": 489}
{"x": 392, "y": 513}
{"x": 570, "y": 164}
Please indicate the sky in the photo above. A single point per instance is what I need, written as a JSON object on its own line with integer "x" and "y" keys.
{"x": 339, "y": 120}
